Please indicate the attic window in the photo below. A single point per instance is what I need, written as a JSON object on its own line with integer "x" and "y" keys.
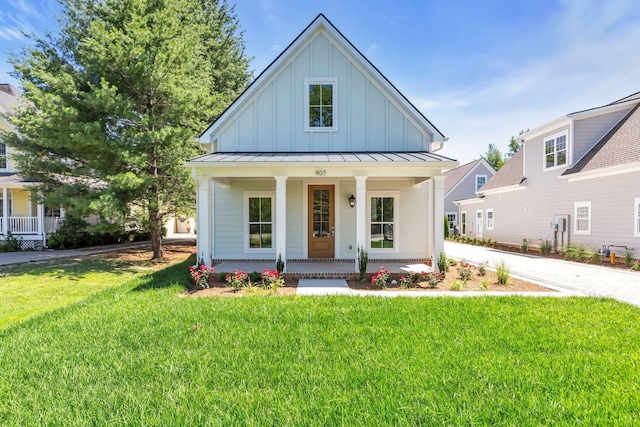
{"x": 3, "y": 155}
{"x": 555, "y": 151}
{"x": 320, "y": 108}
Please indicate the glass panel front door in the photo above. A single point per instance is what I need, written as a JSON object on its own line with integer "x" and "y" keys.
{"x": 321, "y": 222}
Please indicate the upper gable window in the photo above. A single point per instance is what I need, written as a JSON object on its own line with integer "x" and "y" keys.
{"x": 480, "y": 181}
{"x": 555, "y": 151}
{"x": 320, "y": 107}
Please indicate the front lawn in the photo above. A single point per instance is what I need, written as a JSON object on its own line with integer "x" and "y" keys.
{"x": 137, "y": 354}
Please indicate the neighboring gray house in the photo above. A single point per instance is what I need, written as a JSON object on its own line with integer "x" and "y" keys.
{"x": 575, "y": 180}
{"x": 319, "y": 156}
{"x": 462, "y": 183}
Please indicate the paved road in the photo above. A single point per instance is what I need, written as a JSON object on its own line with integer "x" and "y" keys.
{"x": 588, "y": 279}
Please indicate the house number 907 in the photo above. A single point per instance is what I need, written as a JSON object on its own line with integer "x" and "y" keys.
{"x": 321, "y": 172}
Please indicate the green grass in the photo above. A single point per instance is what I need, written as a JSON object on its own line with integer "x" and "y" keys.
{"x": 137, "y": 354}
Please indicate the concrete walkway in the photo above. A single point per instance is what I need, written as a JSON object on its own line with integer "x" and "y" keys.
{"x": 586, "y": 279}
{"x": 10, "y": 258}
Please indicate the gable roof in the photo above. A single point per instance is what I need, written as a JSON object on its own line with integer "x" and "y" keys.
{"x": 620, "y": 146}
{"x": 457, "y": 175}
{"x": 510, "y": 174}
{"x": 321, "y": 23}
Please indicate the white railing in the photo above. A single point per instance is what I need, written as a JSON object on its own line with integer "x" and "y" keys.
{"x": 28, "y": 224}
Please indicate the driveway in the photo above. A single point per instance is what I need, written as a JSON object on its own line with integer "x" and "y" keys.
{"x": 588, "y": 279}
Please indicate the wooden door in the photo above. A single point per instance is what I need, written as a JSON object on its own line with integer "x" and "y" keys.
{"x": 321, "y": 221}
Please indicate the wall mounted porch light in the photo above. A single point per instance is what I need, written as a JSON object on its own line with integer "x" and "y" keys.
{"x": 352, "y": 201}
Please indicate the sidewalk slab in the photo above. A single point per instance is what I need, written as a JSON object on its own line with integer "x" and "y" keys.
{"x": 323, "y": 287}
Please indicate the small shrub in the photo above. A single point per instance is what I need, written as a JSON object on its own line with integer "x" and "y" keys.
{"x": 628, "y": 257}
{"x": 272, "y": 280}
{"x": 592, "y": 256}
{"x": 363, "y": 260}
{"x": 451, "y": 263}
{"x": 484, "y": 286}
{"x": 458, "y": 285}
{"x": 524, "y": 246}
{"x": 466, "y": 271}
{"x": 545, "y": 247}
{"x": 482, "y": 268}
{"x": 635, "y": 266}
{"x": 200, "y": 275}
{"x": 223, "y": 276}
{"x": 280, "y": 264}
{"x": 237, "y": 279}
{"x": 11, "y": 243}
{"x": 254, "y": 277}
{"x": 432, "y": 279}
{"x": 408, "y": 281}
{"x": 443, "y": 265}
{"x": 379, "y": 279}
{"x": 503, "y": 271}
{"x": 575, "y": 252}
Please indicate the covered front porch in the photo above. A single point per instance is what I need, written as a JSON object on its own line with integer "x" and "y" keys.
{"x": 23, "y": 218}
{"x": 302, "y": 207}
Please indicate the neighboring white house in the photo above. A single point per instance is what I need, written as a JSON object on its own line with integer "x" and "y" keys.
{"x": 19, "y": 214}
{"x": 575, "y": 180}
{"x": 463, "y": 183}
{"x": 319, "y": 156}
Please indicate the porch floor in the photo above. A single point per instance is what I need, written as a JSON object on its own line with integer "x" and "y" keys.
{"x": 319, "y": 269}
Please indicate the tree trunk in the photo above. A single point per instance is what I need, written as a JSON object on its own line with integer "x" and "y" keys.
{"x": 155, "y": 221}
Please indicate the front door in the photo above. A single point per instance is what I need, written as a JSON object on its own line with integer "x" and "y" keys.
{"x": 479, "y": 220}
{"x": 321, "y": 222}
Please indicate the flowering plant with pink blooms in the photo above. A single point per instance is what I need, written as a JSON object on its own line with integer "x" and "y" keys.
{"x": 237, "y": 279}
{"x": 272, "y": 279}
{"x": 379, "y": 279}
{"x": 200, "y": 275}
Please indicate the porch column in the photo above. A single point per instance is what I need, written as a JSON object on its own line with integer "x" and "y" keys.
{"x": 281, "y": 219}
{"x": 204, "y": 220}
{"x": 41, "y": 230}
{"x": 361, "y": 213}
{"x": 438, "y": 218}
{"x": 5, "y": 211}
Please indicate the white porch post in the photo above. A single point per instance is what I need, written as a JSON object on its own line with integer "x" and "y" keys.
{"x": 204, "y": 220}
{"x": 438, "y": 218}
{"x": 5, "y": 211}
{"x": 41, "y": 230}
{"x": 361, "y": 213}
{"x": 281, "y": 219}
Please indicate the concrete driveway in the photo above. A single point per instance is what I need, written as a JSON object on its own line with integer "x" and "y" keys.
{"x": 593, "y": 280}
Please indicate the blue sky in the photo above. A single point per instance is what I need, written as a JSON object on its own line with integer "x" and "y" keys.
{"x": 479, "y": 70}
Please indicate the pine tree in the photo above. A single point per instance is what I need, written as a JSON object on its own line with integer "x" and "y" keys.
{"x": 116, "y": 99}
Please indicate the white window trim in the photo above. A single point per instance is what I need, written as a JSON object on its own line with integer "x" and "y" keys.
{"x": 463, "y": 224}
{"x": 321, "y": 80}
{"x": 479, "y": 223}
{"x": 485, "y": 181}
{"x": 396, "y": 221}
{"x": 575, "y": 216}
{"x": 455, "y": 220}
{"x": 490, "y": 221}
{"x": 636, "y": 208}
{"x": 544, "y": 154}
{"x": 245, "y": 221}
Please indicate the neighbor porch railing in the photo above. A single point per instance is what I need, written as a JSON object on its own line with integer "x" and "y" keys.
{"x": 27, "y": 224}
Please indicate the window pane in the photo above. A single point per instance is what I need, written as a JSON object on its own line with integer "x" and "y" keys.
{"x": 254, "y": 209}
{"x": 376, "y": 209}
{"x": 561, "y": 143}
{"x": 376, "y": 235}
{"x": 324, "y": 229}
{"x": 387, "y": 211}
{"x": 324, "y": 197}
{"x": 325, "y": 212}
{"x": 265, "y": 208}
{"x": 327, "y": 116}
{"x": 327, "y": 94}
{"x": 266, "y": 235}
{"x": 548, "y": 147}
{"x": 314, "y": 117}
{"x": 388, "y": 235}
{"x": 314, "y": 95}
{"x": 550, "y": 160}
{"x": 562, "y": 157}
{"x": 317, "y": 213}
{"x": 316, "y": 228}
{"x": 254, "y": 235}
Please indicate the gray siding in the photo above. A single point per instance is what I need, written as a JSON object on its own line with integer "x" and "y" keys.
{"x": 588, "y": 132}
{"x": 466, "y": 189}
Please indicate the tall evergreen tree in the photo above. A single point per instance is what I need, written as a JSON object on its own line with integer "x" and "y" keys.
{"x": 116, "y": 99}
{"x": 494, "y": 156}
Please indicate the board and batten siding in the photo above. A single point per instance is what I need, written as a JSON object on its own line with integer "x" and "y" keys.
{"x": 273, "y": 120}
{"x": 587, "y": 132}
